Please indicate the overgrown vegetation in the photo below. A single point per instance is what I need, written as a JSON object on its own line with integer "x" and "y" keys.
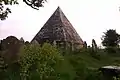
{"x": 20, "y": 60}
{"x": 39, "y": 62}
{"x": 45, "y": 62}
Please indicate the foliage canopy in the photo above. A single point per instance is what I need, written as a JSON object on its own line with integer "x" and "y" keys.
{"x": 110, "y": 38}
{"x": 4, "y": 11}
{"x": 39, "y": 61}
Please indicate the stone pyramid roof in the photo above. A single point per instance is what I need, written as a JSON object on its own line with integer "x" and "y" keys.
{"x": 58, "y": 28}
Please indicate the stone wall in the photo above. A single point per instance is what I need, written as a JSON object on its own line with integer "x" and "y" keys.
{"x": 67, "y": 45}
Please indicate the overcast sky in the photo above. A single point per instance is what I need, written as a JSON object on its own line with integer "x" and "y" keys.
{"x": 90, "y": 18}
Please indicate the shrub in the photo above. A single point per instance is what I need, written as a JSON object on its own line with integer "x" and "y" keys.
{"x": 111, "y": 49}
{"x": 2, "y": 68}
{"x": 39, "y": 62}
{"x": 83, "y": 72}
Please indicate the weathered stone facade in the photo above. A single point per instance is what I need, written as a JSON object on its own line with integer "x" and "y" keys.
{"x": 59, "y": 31}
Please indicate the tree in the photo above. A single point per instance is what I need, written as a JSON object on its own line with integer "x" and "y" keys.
{"x": 35, "y": 4}
{"x": 10, "y": 46}
{"x": 110, "y": 38}
{"x": 2, "y": 68}
{"x": 4, "y": 11}
{"x": 39, "y": 62}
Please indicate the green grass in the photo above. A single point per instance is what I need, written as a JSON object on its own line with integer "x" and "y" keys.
{"x": 85, "y": 66}
{"x": 86, "y": 58}
{"x": 82, "y": 65}
{"x": 66, "y": 70}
